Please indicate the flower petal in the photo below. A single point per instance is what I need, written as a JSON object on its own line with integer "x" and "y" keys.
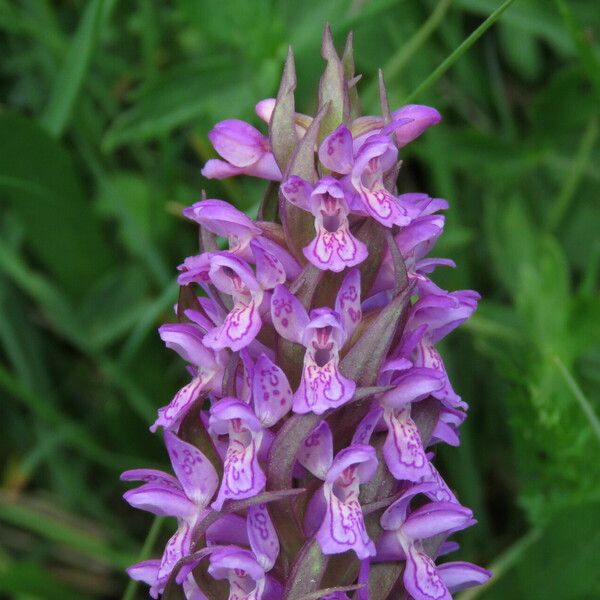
{"x": 170, "y": 416}
{"x": 316, "y": 452}
{"x": 186, "y": 340}
{"x": 297, "y": 191}
{"x": 403, "y": 449}
{"x": 238, "y": 142}
{"x": 422, "y": 117}
{"x": 458, "y": 576}
{"x": 177, "y": 547}
{"x": 289, "y": 316}
{"x": 269, "y": 271}
{"x": 435, "y": 518}
{"x": 195, "y": 472}
{"x": 347, "y": 302}
{"x": 241, "y": 326}
{"x": 262, "y": 535}
{"x": 421, "y": 578}
{"x": 336, "y": 152}
{"x": 271, "y": 392}
{"x": 160, "y": 500}
{"x": 343, "y": 527}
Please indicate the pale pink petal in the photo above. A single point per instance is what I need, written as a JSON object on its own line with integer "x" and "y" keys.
{"x": 262, "y": 535}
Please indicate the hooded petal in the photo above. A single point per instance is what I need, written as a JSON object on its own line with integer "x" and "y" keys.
{"x": 151, "y": 476}
{"x": 395, "y": 515}
{"x": 336, "y": 151}
{"x": 262, "y": 535}
{"x": 195, "y": 472}
{"x": 412, "y": 385}
{"x": 458, "y": 576}
{"x": 238, "y": 142}
{"x": 421, "y": 578}
{"x": 289, "y": 316}
{"x": 271, "y": 392}
{"x": 316, "y": 452}
{"x": 403, "y": 450}
{"x": 421, "y": 117}
{"x": 186, "y": 340}
{"x": 435, "y": 518}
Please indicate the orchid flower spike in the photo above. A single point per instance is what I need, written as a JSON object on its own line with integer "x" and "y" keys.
{"x": 316, "y": 395}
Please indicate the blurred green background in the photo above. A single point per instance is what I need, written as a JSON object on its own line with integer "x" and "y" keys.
{"x": 104, "y": 111}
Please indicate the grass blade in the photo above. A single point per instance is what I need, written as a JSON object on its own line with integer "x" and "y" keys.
{"x": 466, "y": 44}
{"x": 71, "y": 77}
{"x": 584, "y": 403}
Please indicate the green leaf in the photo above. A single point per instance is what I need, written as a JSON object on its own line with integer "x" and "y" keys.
{"x": 71, "y": 77}
{"x": 38, "y": 180}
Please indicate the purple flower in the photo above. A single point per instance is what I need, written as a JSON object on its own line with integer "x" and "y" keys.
{"x": 316, "y": 382}
{"x": 206, "y": 365}
{"x": 335, "y": 509}
{"x": 422, "y": 578}
{"x": 232, "y": 276}
{"x": 185, "y": 497}
{"x": 323, "y": 334}
{"x": 334, "y": 247}
{"x": 245, "y": 150}
{"x": 243, "y": 476}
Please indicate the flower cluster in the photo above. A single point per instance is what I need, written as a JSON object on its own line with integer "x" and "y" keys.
{"x": 316, "y": 392}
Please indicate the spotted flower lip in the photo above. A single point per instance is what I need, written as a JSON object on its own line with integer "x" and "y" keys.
{"x": 334, "y": 248}
{"x": 335, "y": 508}
{"x": 317, "y": 397}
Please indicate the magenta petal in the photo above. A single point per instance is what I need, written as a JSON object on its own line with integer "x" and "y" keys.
{"x": 315, "y": 513}
{"x": 435, "y": 518}
{"x": 403, "y": 449}
{"x": 238, "y": 142}
{"x": 160, "y": 500}
{"x": 289, "y": 316}
{"x": 421, "y": 578}
{"x": 170, "y": 416}
{"x": 395, "y": 514}
{"x": 336, "y": 150}
{"x": 151, "y": 476}
{"x": 186, "y": 340}
{"x": 271, "y": 391}
{"x": 215, "y": 168}
{"x": 145, "y": 571}
{"x": 322, "y": 388}
{"x": 177, "y": 547}
{"x": 269, "y": 271}
{"x": 458, "y": 576}
{"x": 440, "y": 492}
{"x": 231, "y": 558}
{"x": 365, "y": 428}
{"x": 412, "y": 385}
{"x": 241, "y": 326}
{"x": 343, "y": 527}
{"x": 316, "y": 452}
{"x": 297, "y": 191}
{"x": 347, "y": 302}
{"x": 195, "y": 472}
{"x": 335, "y": 250}
{"x": 228, "y": 529}
{"x": 422, "y": 117}
{"x": 262, "y": 535}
